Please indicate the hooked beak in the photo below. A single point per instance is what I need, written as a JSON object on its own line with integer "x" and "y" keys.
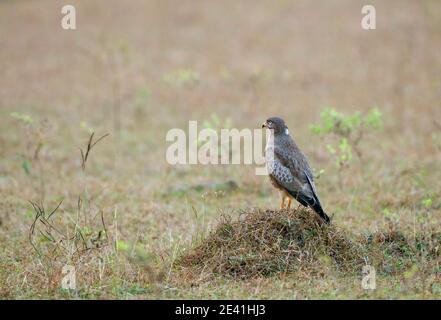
{"x": 264, "y": 125}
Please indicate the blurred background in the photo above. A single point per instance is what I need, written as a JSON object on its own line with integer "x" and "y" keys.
{"x": 245, "y": 60}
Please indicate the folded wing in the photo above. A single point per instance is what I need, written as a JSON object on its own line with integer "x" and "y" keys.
{"x": 292, "y": 172}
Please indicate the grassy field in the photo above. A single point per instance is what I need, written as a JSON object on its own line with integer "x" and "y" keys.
{"x": 137, "y": 69}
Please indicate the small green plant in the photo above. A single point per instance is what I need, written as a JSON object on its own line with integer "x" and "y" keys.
{"x": 343, "y": 152}
{"x": 26, "y": 165}
{"x": 390, "y": 216}
{"x": 350, "y": 129}
{"x": 427, "y": 203}
{"x": 35, "y": 133}
{"x": 182, "y": 77}
{"x": 215, "y": 123}
{"x": 86, "y": 127}
{"x": 24, "y": 118}
{"x": 347, "y": 131}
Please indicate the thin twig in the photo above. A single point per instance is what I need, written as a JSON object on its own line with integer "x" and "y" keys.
{"x": 104, "y": 225}
{"x": 90, "y": 145}
{"x": 53, "y": 211}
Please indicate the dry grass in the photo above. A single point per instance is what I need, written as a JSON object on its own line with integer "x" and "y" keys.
{"x": 267, "y": 243}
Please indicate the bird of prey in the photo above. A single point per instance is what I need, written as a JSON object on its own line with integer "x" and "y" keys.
{"x": 288, "y": 168}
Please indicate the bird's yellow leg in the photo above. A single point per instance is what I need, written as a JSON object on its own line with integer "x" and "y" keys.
{"x": 289, "y": 203}
{"x": 282, "y": 203}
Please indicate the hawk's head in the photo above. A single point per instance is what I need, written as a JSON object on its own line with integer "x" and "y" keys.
{"x": 277, "y": 124}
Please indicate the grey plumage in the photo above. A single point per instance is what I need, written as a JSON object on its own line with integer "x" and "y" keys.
{"x": 289, "y": 169}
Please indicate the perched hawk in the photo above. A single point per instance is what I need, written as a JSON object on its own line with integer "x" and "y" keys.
{"x": 288, "y": 168}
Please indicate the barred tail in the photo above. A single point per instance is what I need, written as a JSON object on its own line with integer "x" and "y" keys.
{"x": 314, "y": 203}
{"x": 319, "y": 210}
